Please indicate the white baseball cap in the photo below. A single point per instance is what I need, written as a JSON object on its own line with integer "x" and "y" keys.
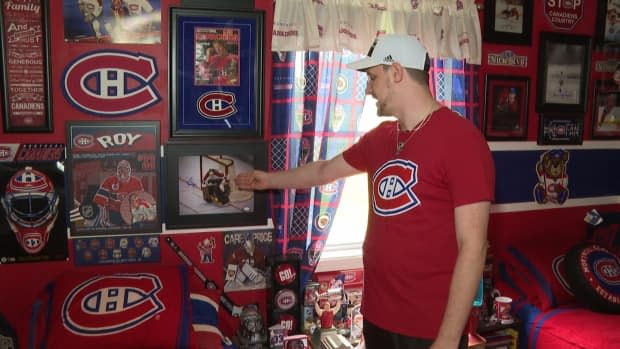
{"x": 390, "y": 48}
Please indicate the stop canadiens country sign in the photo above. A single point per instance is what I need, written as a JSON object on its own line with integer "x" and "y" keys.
{"x": 564, "y": 14}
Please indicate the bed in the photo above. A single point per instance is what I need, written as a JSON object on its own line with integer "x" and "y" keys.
{"x": 536, "y": 270}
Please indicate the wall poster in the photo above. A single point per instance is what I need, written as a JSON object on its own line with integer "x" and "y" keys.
{"x": 113, "y": 177}
{"x": 26, "y": 69}
{"x": 32, "y": 216}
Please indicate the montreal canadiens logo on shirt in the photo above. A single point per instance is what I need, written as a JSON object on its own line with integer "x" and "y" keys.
{"x": 111, "y": 304}
{"x": 392, "y": 188}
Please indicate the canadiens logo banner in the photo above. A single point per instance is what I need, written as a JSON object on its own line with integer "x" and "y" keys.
{"x": 123, "y": 310}
{"x": 111, "y": 83}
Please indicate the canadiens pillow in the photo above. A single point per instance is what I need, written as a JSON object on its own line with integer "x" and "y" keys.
{"x": 541, "y": 267}
{"x": 594, "y": 274}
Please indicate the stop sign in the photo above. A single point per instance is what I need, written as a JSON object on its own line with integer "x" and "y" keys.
{"x": 564, "y": 14}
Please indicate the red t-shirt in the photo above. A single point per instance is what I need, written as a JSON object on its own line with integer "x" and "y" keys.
{"x": 410, "y": 247}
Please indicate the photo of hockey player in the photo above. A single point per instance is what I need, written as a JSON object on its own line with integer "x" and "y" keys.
{"x": 206, "y": 185}
{"x": 509, "y": 16}
{"x": 112, "y": 21}
{"x": 113, "y": 178}
{"x": 32, "y": 216}
{"x": 245, "y": 259}
{"x": 217, "y": 56}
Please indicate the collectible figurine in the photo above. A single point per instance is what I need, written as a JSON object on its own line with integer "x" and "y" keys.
{"x": 251, "y": 333}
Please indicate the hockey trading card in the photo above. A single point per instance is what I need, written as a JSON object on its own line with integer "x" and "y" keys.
{"x": 113, "y": 176}
{"x": 112, "y": 21}
{"x": 116, "y": 250}
{"x": 245, "y": 259}
{"x": 33, "y": 226}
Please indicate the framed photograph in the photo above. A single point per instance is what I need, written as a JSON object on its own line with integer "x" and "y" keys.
{"x": 563, "y": 65}
{"x": 508, "y": 21}
{"x": 560, "y": 130}
{"x": 606, "y": 112}
{"x": 26, "y": 69}
{"x": 201, "y": 191}
{"x": 113, "y": 172}
{"x": 32, "y": 194}
{"x": 608, "y": 23}
{"x": 216, "y": 72}
{"x": 506, "y": 107}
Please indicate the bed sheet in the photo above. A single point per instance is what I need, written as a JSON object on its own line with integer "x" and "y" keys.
{"x": 567, "y": 327}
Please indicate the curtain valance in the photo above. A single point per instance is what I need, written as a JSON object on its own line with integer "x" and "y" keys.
{"x": 448, "y": 28}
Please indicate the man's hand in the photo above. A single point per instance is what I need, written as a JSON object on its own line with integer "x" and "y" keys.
{"x": 255, "y": 180}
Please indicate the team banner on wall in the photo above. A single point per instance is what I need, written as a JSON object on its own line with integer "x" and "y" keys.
{"x": 112, "y": 21}
{"x": 113, "y": 178}
{"x": 32, "y": 217}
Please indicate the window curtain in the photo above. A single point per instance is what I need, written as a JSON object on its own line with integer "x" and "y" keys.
{"x": 316, "y": 106}
{"x": 454, "y": 84}
{"x": 447, "y": 28}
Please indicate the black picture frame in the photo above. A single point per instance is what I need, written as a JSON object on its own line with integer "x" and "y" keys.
{"x": 26, "y": 68}
{"x": 607, "y": 31}
{"x": 606, "y": 111}
{"x": 563, "y": 73}
{"x": 200, "y": 184}
{"x": 113, "y": 171}
{"x": 506, "y": 107}
{"x": 560, "y": 129}
{"x": 508, "y": 22}
{"x": 213, "y": 95}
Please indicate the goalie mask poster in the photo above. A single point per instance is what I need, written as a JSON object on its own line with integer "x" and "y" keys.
{"x": 113, "y": 176}
{"x": 32, "y": 216}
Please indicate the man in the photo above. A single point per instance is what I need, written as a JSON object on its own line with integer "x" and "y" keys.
{"x": 431, "y": 181}
{"x": 112, "y": 191}
{"x": 91, "y": 10}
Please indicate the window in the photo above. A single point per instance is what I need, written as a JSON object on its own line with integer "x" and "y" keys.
{"x": 343, "y": 247}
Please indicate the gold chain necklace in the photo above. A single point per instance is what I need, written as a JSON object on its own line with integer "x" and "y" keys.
{"x": 400, "y": 145}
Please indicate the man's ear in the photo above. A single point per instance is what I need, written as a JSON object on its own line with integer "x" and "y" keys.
{"x": 398, "y": 72}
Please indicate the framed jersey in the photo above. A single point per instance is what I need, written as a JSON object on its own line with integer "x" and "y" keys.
{"x": 216, "y": 72}
{"x": 113, "y": 178}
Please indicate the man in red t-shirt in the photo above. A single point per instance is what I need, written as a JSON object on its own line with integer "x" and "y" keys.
{"x": 431, "y": 183}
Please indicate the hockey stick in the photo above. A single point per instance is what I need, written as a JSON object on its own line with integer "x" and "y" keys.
{"x": 233, "y": 309}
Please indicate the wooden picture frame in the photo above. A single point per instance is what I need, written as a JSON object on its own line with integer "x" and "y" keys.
{"x": 607, "y": 23}
{"x": 113, "y": 176}
{"x": 201, "y": 192}
{"x": 506, "y": 107}
{"x": 606, "y": 111}
{"x": 563, "y": 72}
{"x": 213, "y": 92}
{"x": 26, "y": 70}
{"x": 508, "y": 22}
{"x": 560, "y": 129}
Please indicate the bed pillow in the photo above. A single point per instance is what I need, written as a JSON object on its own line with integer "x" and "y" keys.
{"x": 540, "y": 271}
{"x": 594, "y": 274}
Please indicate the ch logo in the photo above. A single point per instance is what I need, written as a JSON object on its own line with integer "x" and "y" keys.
{"x": 217, "y": 105}
{"x": 393, "y": 188}
{"x": 110, "y": 83}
